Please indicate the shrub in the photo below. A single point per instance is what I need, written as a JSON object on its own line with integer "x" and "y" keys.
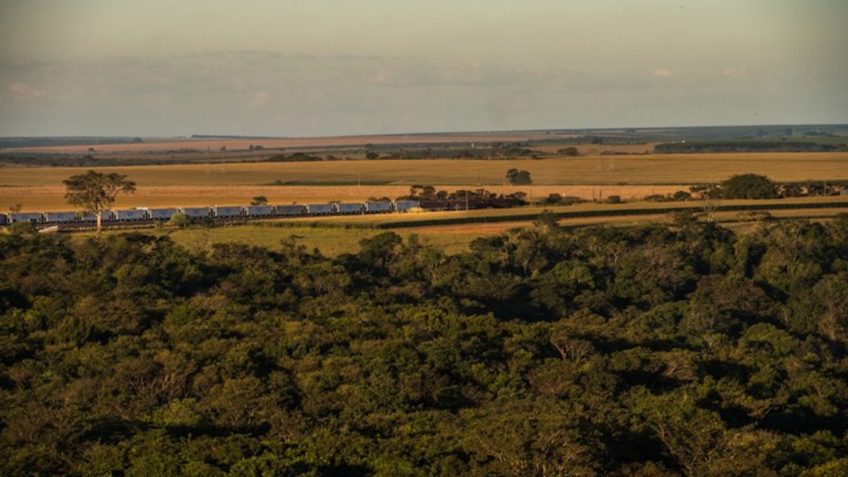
{"x": 180, "y": 220}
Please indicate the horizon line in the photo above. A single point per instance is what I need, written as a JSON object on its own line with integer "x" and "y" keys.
{"x": 426, "y": 133}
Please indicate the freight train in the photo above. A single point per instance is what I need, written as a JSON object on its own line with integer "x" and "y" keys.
{"x": 229, "y": 212}
{"x": 216, "y": 212}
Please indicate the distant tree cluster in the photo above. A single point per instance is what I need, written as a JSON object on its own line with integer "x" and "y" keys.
{"x": 743, "y": 186}
{"x": 678, "y": 196}
{"x": 780, "y": 145}
{"x": 295, "y": 157}
{"x": 753, "y": 186}
{"x": 430, "y": 193}
{"x": 518, "y": 177}
{"x": 559, "y": 199}
{"x": 651, "y": 351}
{"x": 569, "y": 151}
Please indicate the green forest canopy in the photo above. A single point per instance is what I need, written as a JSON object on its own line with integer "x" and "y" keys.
{"x": 659, "y": 350}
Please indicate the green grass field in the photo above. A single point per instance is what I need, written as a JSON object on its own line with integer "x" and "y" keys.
{"x": 338, "y": 235}
{"x": 330, "y": 241}
{"x": 529, "y": 213}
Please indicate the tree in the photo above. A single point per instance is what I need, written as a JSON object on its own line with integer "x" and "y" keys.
{"x": 516, "y": 177}
{"x": 428, "y": 192}
{"x": 259, "y": 200}
{"x": 96, "y": 192}
{"x": 748, "y": 186}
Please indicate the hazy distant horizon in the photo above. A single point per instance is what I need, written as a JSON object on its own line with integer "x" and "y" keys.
{"x": 202, "y": 135}
{"x": 330, "y": 68}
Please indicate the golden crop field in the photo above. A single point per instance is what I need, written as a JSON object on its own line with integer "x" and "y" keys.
{"x": 584, "y": 170}
{"x": 40, "y": 188}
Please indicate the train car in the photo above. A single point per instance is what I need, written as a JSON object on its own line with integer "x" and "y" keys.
{"x": 161, "y": 214}
{"x": 350, "y": 208}
{"x": 129, "y": 215}
{"x": 60, "y": 217}
{"x": 406, "y": 205}
{"x": 505, "y": 202}
{"x": 441, "y": 205}
{"x": 321, "y": 209}
{"x": 227, "y": 211}
{"x": 259, "y": 210}
{"x": 290, "y": 210}
{"x": 377, "y": 207}
{"x": 195, "y": 212}
{"x": 105, "y": 216}
{"x": 32, "y": 217}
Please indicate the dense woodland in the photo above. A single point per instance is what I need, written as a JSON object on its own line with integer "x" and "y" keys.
{"x": 678, "y": 349}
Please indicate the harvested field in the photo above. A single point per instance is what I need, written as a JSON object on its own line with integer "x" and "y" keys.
{"x": 630, "y": 170}
{"x": 40, "y": 188}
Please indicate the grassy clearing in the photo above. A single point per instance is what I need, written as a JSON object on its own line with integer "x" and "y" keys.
{"x": 330, "y": 241}
{"x": 732, "y": 217}
{"x": 530, "y": 213}
{"x": 334, "y": 241}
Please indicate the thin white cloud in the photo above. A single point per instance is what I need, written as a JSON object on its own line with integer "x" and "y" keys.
{"x": 256, "y": 92}
{"x": 260, "y": 98}
{"x": 22, "y": 92}
{"x": 736, "y": 71}
{"x": 158, "y": 100}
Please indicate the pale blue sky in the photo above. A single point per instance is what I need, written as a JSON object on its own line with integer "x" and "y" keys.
{"x": 322, "y": 67}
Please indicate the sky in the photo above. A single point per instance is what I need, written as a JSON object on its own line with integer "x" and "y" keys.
{"x": 342, "y": 67}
